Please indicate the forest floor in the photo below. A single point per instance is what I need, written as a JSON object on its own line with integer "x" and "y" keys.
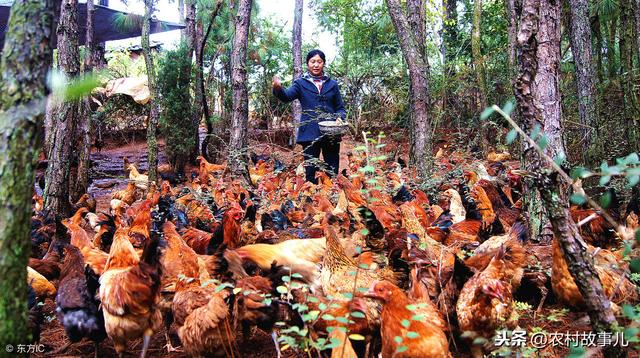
{"x": 108, "y": 175}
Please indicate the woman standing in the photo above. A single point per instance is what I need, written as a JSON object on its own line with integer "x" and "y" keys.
{"x": 320, "y": 100}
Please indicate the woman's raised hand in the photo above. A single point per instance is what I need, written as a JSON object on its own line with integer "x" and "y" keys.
{"x": 276, "y": 83}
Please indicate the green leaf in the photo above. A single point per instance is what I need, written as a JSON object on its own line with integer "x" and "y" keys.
{"x": 559, "y": 159}
{"x": 364, "y": 231}
{"x": 580, "y": 172}
{"x": 629, "y": 311}
{"x": 578, "y": 199}
{"x": 486, "y": 113}
{"x": 412, "y": 335}
{"x": 351, "y": 273}
{"x": 358, "y": 249}
{"x": 364, "y": 266}
{"x": 296, "y": 275}
{"x": 632, "y": 159}
{"x": 508, "y": 107}
{"x": 511, "y": 136}
{"x": 322, "y": 306}
{"x": 605, "y": 200}
{"x": 638, "y": 235}
{"x": 342, "y": 320}
{"x": 356, "y": 337}
{"x": 286, "y": 279}
{"x": 411, "y": 307}
{"x": 328, "y": 317}
{"x": 398, "y": 339}
{"x": 544, "y": 140}
{"x": 401, "y": 349}
{"x": 418, "y": 317}
{"x": 281, "y": 289}
{"x": 605, "y": 179}
{"x": 347, "y": 295}
{"x": 357, "y": 314}
{"x": 405, "y": 323}
{"x": 634, "y": 265}
{"x": 536, "y": 130}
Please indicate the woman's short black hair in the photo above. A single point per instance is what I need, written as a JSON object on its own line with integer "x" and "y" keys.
{"x": 315, "y": 52}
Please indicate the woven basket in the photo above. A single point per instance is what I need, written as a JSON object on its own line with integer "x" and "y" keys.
{"x": 331, "y": 128}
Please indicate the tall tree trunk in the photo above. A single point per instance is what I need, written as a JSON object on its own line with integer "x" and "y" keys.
{"x": 421, "y": 149}
{"x": 580, "y": 37}
{"x": 626, "y": 57}
{"x": 181, "y": 17}
{"x": 240, "y": 116}
{"x": 154, "y": 112}
{"x": 56, "y": 193}
{"x": 486, "y": 138}
{"x": 512, "y": 29}
{"x": 449, "y": 48}
{"x": 636, "y": 24}
{"x": 84, "y": 129}
{"x": 199, "y": 94}
{"x": 26, "y": 59}
{"x": 539, "y": 39}
{"x": 297, "y": 63}
{"x": 611, "y": 47}
{"x": 476, "y": 49}
{"x": 597, "y": 32}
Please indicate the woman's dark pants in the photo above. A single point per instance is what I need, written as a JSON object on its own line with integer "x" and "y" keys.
{"x": 330, "y": 149}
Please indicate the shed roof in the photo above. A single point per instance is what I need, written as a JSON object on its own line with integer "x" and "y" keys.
{"x": 104, "y": 24}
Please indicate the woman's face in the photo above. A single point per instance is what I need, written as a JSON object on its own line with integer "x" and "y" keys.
{"x": 315, "y": 65}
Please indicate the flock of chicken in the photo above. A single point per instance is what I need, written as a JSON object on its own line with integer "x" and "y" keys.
{"x": 364, "y": 261}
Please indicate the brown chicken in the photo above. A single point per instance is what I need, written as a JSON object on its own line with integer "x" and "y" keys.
{"x": 139, "y": 230}
{"x": 128, "y": 195}
{"x": 86, "y": 201}
{"x": 129, "y": 291}
{"x": 41, "y": 286}
{"x": 486, "y": 300}
{"x": 49, "y": 265}
{"x": 610, "y": 269}
{"x": 402, "y": 335}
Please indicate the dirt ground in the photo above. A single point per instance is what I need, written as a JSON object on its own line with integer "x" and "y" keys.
{"x": 107, "y": 175}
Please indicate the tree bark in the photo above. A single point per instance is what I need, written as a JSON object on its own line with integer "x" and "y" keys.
{"x": 476, "y": 50}
{"x": 597, "y": 32}
{"x": 56, "y": 192}
{"x": 449, "y": 47}
{"x": 199, "y": 94}
{"x": 26, "y": 59}
{"x": 512, "y": 29}
{"x": 421, "y": 149}
{"x": 181, "y": 16}
{"x": 539, "y": 31}
{"x": 580, "y": 38}
{"x": 636, "y": 24}
{"x": 611, "y": 48}
{"x": 626, "y": 57}
{"x": 240, "y": 107}
{"x": 154, "y": 112}
{"x": 297, "y": 62}
{"x": 84, "y": 128}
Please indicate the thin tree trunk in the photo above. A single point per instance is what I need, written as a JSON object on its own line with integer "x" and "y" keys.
{"x": 449, "y": 48}
{"x": 154, "y": 112}
{"x": 26, "y": 59}
{"x": 421, "y": 150}
{"x": 636, "y": 23}
{"x": 580, "y": 37}
{"x": 538, "y": 36}
{"x": 297, "y": 63}
{"x": 240, "y": 116}
{"x": 512, "y": 29}
{"x": 184, "y": 34}
{"x": 199, "y": 99}
{"x": 597, "y": 32}
{"x": 611, "y": 48}
{"x": 626, "y": 57}
{"x": 56, "y": 192}
{"x": 84, "y": 128}
{"x": 476, "y": 49}
{"x": 200, "y": 81}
